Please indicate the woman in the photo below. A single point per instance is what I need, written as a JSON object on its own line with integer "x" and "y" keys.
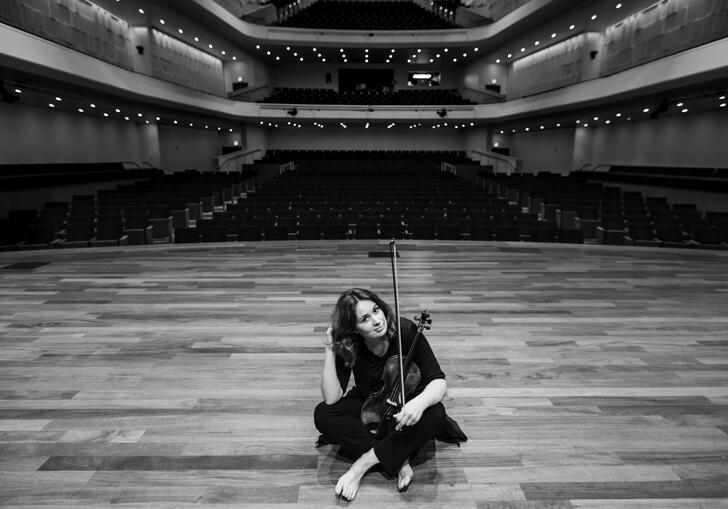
{"x": 363, "y": 335}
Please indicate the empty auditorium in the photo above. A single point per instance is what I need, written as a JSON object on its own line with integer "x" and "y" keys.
{"x": 444, "y": 254}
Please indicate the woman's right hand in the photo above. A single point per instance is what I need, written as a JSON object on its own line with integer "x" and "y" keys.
{"x": 329, "y": 341}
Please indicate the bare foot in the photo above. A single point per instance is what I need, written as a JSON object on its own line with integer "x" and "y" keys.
{"x": 348, "y": 484}
{"x": 404, "y": 477}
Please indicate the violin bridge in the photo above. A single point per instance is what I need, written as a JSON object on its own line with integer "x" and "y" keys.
{"x": 393, "y": 403}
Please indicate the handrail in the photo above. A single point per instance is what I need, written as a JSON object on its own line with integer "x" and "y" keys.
{"x": 490, "y": 93}
{"x": 232, "y": 157}
{"x": 591, "y": 167}
{"x": 512, "y": 163}
{"x": 241, "y": 94}
{"x": 448, "y": 168}
{"x": 287, "y": 167}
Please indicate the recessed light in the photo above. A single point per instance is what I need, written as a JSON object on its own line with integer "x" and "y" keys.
{"x": 51, "y": 105}
{"x": 523, "y": 49}
{"x": 646, "y": 110}
{"x": 537, "y": 43}
{"x": 126, "y": 118}
{"x": 175, "y": 122}
{"x": 497, "y": 60}
{"x": 593, "y": 17}
{"x": 157, "y": 119}
{"x": 445, "y": 50}
{"x": 509, "y": 55}
{"x": 197, "y": 39}
{"x": 209, "y": 46}
{"x": 59, "y": 99}
{"x": 117, "y": 110}
{"x": 553, "y": 35}
{"x": 618, "y": 6}
{"x": 257, "y": 46}
{"x": 684, "y": 110}
{"x": 618, "y": 115}
{"x": 571, "y": 27}
{"x": 180, "y": 30}
{"x": 141, "y": 11}
{"x": 106, "y": 114}
{"x": 679, "y": 105}
{"x": 223, "y": 52}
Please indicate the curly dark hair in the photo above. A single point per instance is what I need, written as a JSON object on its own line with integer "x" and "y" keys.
{"x": 346, "y": 340}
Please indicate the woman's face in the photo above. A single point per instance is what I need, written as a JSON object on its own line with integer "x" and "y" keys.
{"x": 371, "y": 323}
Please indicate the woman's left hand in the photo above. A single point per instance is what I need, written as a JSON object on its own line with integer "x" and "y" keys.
{"x": 410, "y": 414}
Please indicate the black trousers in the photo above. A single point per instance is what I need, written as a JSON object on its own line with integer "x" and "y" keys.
{"x": 341, "y": 423}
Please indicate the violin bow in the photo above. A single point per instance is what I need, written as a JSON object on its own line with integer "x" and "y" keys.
{"x": 393, "y": 252}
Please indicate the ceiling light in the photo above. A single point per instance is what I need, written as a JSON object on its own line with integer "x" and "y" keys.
{"x": 92, "y": 105}
{"x": 157, "y": 119}
{"x": 117, "y": 110}
{"x": 223, "y": 52}
{"x": 497, "y": 60}
{"x": 257, "y": 46}
{"x": 684, "y": 110}
{"x": 106, "y": 114}
{"x": 127, "y": 118}
{"x": 180, "y": 30}
{"x": 646, "y": 110}
{"x": 312, "y": 49}
{"x": 594, "y": 16}
{"x": 141, "y": 11}
{"x": 553, "y": 35}
{"x": 618, "y": 115}
{"x": 679, "y": 105}
{"x": 209, "y": 46}
{"x": 51, "y": 105}
{"x": 510, "y": 55}
{"x": 175, "y": 122}
{"x": 58, "y": 99}
{"x": 608, "y": 122}
{"x": 475, "y": 49}
{"x": 571, "y": 27}
{"x": 618, "y": 6}
{"x": 537, "y": 43}
{"x": 197, "y": 39}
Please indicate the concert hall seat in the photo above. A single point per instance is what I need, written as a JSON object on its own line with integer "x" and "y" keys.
{"x": 309, "y": 231}
{"x": 421, "y": 230}
{"x": 507, "y": 233}
{"x": 186, "y": 235}
{"x": 641, "y": 234}
{"x": 671, "y": 236}
{"x": 481, "y": 232}
{"x": 336, "y": 230}
{"x": 276, "y": 232}
{"x": 543, "y": 233}
{"x": 109, "y": 234}
{"x": 213, "y": 233}
{"x": 78, "y": 234}
{"x": 707, "y": 237}
{"x": 449, "y": 231}
{"x": 570, "y": 236}
{"x": 138, "y": 229}
{"x": 247, "y": 232}
{"x": 39, "y": 237}
{"x": 367, "y": 231}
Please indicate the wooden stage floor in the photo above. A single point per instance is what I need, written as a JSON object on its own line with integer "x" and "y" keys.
{"x": 166, "y": 376}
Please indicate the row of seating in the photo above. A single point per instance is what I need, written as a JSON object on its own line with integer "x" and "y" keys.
{"x": 366, "y": 97}
{"x": 333, "y": 197}
{"x": 365, "y": 15}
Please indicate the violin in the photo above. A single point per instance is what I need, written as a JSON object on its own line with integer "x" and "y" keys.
{"x": 400, "y": 377}
{"x": 379, "y": 407}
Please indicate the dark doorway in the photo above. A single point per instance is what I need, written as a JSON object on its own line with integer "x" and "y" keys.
{"x": 380, "y": 80}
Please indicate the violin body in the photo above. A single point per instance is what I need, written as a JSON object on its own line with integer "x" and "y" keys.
{"x": 380, "y": 406}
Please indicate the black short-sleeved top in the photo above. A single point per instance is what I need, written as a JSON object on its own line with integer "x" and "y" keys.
{"x": 368, "y": 368}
